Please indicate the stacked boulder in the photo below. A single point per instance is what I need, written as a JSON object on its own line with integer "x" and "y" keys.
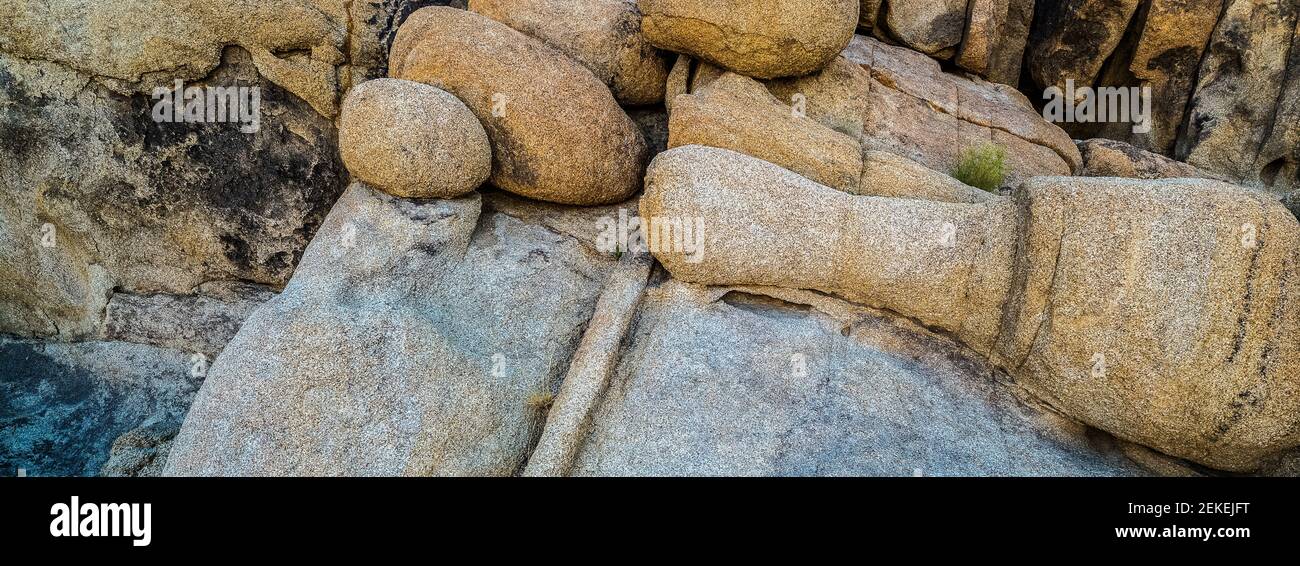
{"x": 1163, "y": 311}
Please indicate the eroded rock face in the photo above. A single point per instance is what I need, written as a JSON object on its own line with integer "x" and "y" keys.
{"x": 737, "y": 113}
{"x": 62, "y": 405}
{"x": 201, "y": 322}
{"x": 901, "y": 101}
{"x": 984, "y": 37}
{"x": 136, "y": 46}
{"x": 413, "y": 140}
{"x": 557, "y": 133}
{"x": 603, "y": 35}
{"x": 97, "y": 195}
{"x": 1244, "y": 118}
{"x": 375, "y": 359}
{"x": 1161, "y": 311}
{"x": 815, "y": 390}
{"x": 1222, "y": 76}
{"x": 1162, "y": 50}
{"x": 756, "y": 38}
{"x": 1071, "y": 39}
{"x": 1111, "y": 158}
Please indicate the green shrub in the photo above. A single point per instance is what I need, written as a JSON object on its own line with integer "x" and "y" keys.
{"x": 982, "y": 166}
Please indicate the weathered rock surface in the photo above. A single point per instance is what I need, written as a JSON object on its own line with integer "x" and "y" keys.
{"x": 756, "y": 38}
{"x": 141, "y": 452}
{"x": 1162, "y": 50}
{"x": 413, "y": 140}
{"x": 1222, "y": 74}
{"x": 1111, "y": 158}
{"x": 735, "y": 112}
{"x": 901, "y": 101}
{"x": 933, "y": 27}
{"x": 820, "y": 389}
{"x": 62, "y": 405}
{"x": 1164, "y": 311}
{"x": 1159, "y": 311}
{"x": 1244, "y": 118}
{"x": 95, "y": 195}
{"x": 375, "y": 359}
{"x": 984, "y": 37}
{"x": 887, "y": 174}
{"x": 603, "y": 35}
{"x": 557, "y": 133}
{"x": 1071, "y": 39}
{"x": 201, "y": 322}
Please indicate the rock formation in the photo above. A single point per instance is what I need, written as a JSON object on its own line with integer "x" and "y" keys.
{"x": 437, "y": 244}
{"x": 413, "y": 140}
{"x": 1071, "y": 287}
{"x": 557, "y": 133}
{"x": 757, "y": 38}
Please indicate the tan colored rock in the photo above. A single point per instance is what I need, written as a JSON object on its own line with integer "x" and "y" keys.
{"x": 735, "y": 112}
{"x": 1163, "y": 50}
{"x": 557, "y": 133}
{"x": 765, "y": 225}
{"x": 886, "y": 174}
{"x": 898, "y": 100}
{"x": 917, "y": 110}
{"x": 1110, "y": 158}
{"x": 994, "y": 42}
{"x": 1244, "y": 116}
{"x": 602, "y": 35}
{"x": 933, "y": 27}
{"x": 837, "y": 96}
{"x": 1162, "y": 311}
{"x": 413, "y": 140}
{"x": 135, "y": 46}
{"x": 986, "y": 18}
{"x": 757, "y": 38}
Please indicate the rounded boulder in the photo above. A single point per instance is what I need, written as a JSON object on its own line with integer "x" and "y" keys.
{"x": 557, "y": 133}
{"x": 413, "y": 140}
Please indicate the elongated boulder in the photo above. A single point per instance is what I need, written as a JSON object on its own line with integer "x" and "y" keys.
{"x": 375, "y": 360}
{"x": 603, "y": 35}
{"x": 737, "y": 113}
{"x": 413, "y": 140}
{"x": 1162, "y": 311}
{"x": 557, "y": 133}
{"x": 757, "y": 38}
{"x": 923, "y": 258}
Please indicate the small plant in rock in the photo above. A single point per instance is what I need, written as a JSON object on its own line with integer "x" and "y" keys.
{"x": 982, "y": 166}
{"x": 540, "y": 401}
